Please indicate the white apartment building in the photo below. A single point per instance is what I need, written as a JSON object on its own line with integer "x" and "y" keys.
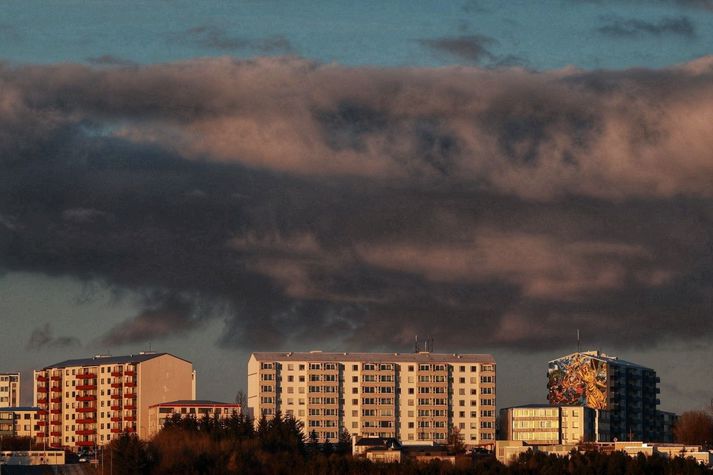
{"x": 9, "y": 389}
{"x": 88, "y": 402}
{"x": 411, "y": 396}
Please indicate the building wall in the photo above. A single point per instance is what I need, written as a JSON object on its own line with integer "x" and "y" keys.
{"x": 419, "y": 396}
{"x": 9, "y": 389}
{"x": 158, "y": 414}
{"x": 546, "y": 425}
{"x": 88, "y": 405}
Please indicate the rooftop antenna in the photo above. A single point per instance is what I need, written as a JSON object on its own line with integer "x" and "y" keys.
{"x": 579, "y": 346}
{"x": 415, "y": 348}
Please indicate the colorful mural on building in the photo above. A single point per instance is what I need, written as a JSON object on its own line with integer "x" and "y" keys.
{"x": 578, "y": 380}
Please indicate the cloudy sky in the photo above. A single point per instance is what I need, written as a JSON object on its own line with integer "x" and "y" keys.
{"x": 220, "y": 178}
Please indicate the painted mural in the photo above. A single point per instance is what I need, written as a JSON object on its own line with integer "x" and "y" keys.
{"x": 577, "y": 380}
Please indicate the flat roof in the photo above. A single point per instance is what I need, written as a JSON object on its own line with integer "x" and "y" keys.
{"x": 598, "y": 355}
{"x": 109, "y": 360}
{"x": 19, "y": 408}
{"x": 196, "y": 402}
{"x": 423, "y": 357}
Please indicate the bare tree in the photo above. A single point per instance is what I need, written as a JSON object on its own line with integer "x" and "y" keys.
{"x": 694, "y": 427}
{"x": 242, "y": 399}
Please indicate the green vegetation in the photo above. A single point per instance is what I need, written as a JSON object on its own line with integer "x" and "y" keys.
{"x": 279, "y": 446}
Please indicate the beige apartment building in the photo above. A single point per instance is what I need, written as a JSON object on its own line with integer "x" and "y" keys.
{"x": 88, "y": 402}
{"x": 19, "y": 422}
{"x": 542, "y": 424}
{"x": 159, "y": 413}
{"x": 410, "y": 396}
{"x": 9, "y": 389}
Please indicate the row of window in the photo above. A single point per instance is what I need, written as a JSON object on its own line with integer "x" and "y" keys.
{"x": 379, "y": 367}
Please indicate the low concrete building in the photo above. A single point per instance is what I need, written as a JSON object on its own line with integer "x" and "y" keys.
{"x": 159, "y": 413}
{"x": 543, "y": 424}
{"x": 32, "y": 457}
{"x": 19, "y": 421}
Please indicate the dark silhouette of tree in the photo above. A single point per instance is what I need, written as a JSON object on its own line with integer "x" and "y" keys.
{"x": 694, "y": 427}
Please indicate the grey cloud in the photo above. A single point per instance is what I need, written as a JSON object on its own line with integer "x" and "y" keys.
{"x": 627, "y": 27}
{"x": 110, "y": 60}
{"x": 296, "y": 201}
{"x": 471, "y": 48}
{"x": 43, "y": 337}
{"x": 695, "y": 4}
{"x": 214, "y": 37}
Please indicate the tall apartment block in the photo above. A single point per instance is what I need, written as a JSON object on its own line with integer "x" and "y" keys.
{"x": 9, "y": 389}
{"x": 88, "y": 402}
{"x": 624, "y": 393}
{"x": 541, "y": 424}
{"x": 410, "y": 396}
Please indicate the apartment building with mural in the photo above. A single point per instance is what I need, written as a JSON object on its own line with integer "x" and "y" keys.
{"x": 88, "y": 402}
{"x": 624, "y": 394}
{"x": 421, "y": 396}
{"x": 9, "y": 389}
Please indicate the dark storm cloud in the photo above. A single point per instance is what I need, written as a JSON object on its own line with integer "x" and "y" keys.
{"x": 471, "y": 48}
{"x": 696, "y": 4}
{"x": 214, "y": 37}
{"x": 43, "y": 337}
{"x": 627, "y": 27}
{"x": 301, "y": 202}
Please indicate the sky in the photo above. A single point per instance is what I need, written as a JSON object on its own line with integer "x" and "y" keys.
{"x": 216, "y": 178}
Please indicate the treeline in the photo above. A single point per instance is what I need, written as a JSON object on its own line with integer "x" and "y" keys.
{"x": 279, "y": 446}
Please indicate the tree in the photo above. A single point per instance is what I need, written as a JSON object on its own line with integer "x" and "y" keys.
{"x": 694, "y": 427}
{"x": 242, "y": 399}
{"x": 455, "y": 442}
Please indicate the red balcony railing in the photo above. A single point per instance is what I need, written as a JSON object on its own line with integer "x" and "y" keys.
{"x": 42, "y": 412}
{"x": 130, "y": 429}
{"x": 87, "y": 387}
{"x": 129, "y": 407}
{"x": 86, "y": 409}
{"x": 42, "y": 389}
{"x": 116, "y": 408}
{"x": 42, "y": 401}
{"x": 115, "y": 385}
{"x": 116, "y": 396}
{"x": 130, "y": 418}
{"x": 85, "y": 443}
{"x": 56, "y": 422}
{"x": 42, "y": 378}
{"x": 40, "y": 434}
{"x": 130, "y": 395}
{"x": 56, "y": 400}
{"x": 116, "y": 419}
{"x": 86, "y": 432}
{"x": 87, "y": 420}
{"x": 56, "y": 434}
{"x": 86, "y": 376}
{"x": 41, "y": 423}
{"x": 56, "y": 389}
{"x": 56, "y": 378}
{"x": 130, "y": 372}
{"x": 116, "y": 430}
{"x": 130, "y": 384}
{"x": 55, "y": 411}
{"x": 90, "y": 397}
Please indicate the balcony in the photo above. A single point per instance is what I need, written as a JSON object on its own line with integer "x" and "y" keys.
{"x": 56, "y": 400}
{"x": 90, "y": 397}
{"x": 86, "y": 376}
{"x": 115, "y": 385}
{"x": 41, "y": 423}
{"x": 115, "y": 430}
{"x": 130, "y": 384}
{"x": 56, "y": 422}
{"x": 56, "y": 378}
{"x": 116, "y": 396}
{"x": 116, "y": 374}
{"x": 85, "y": 443}
{"x": 130, "y": 429}
{"x": 42, "y": 401}
{"x": 42, "y": 379}
{"x": 56, "y": 389}
{"x": 87, "y": 387}
{"x": 42, "y": 412}
{"x": 86, "y": 409}
{"x": 116, "y": 419}
{"x": 130, "y": 372}
{"x": 56, "y": 434}
{"x": 130, "y": 418}
{"x": 130, "y": 395}
{"x": 116, "y": 408}
{"x": 40, "y": 434}
{"x": 55, "y": 411}
{"x": 86, "y": 432}
{"x": 86, "y": 421}
{"x": 130, "y": 407}
{"x": 42, "y": 389}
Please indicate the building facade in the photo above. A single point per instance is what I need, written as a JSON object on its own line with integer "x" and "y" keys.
{"x": 624, "y": 394}
{"x": 547, "y": 425}
{"x": 20, "y": 422}
{"x": 409, "y": 396}
{"x": 159, "y": 413}
{"x": 88, "y": 402}
{"x": 9, "y": 389}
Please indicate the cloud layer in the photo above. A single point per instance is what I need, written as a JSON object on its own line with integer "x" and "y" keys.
{"x": 301, "y": 201}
